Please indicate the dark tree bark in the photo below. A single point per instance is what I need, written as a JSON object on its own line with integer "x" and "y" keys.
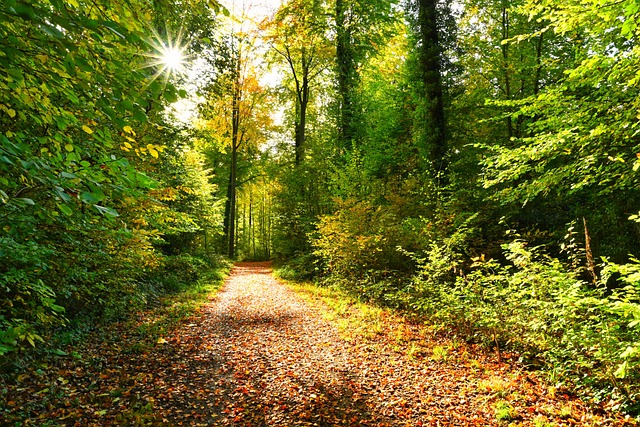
{"x": 302, "y": 101}
{"x": 302, "y": 79}
{"x": 346, "y": 73}
{"x": 505, "y": 57}
{"x": 430, "y": 63}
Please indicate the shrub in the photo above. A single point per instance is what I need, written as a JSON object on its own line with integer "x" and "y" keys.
{"x": 581, "y": 333}
{"x": 29, "y": 303}
{"x": 361, "y": 238}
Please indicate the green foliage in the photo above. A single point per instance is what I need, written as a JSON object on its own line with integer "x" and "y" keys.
{"x": 535, "y": 304}
{"x": 86, "y": 163}
{"x": 299, "y": 269}
{"x": 29, "y": 304}
{"x": 505, "y": 412}
{"x": 577, "y": 140}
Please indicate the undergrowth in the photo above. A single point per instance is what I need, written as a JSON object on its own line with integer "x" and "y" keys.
{"x": 584, "y": 335}
{"x": 163, "y": 300}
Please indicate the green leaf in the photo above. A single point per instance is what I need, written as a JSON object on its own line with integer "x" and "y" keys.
{"x": 621, "y": 372}
{"x": 140, "y": 116}
{"x": 106, "y": 211}
{"x": 91, "y": 198}
{"x": 170, "y": 96}
{"x": 25, "y": 201}
{"x": 65, "y": 209}
{"x": 59, "y": 191}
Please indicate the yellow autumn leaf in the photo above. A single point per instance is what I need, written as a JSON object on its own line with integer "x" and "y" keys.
{"x": 126, "y": 144}
{"x": 152, "y": 150}
{"x": 87, "y": 129}
{"x": 11, "y": 112}
{"x": 68, "y": 147}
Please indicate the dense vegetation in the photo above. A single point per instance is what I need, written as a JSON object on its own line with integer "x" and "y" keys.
{"x": 474, "y": 164}
{"x": 105, "y": 203}
{"x": 477, "y": 166}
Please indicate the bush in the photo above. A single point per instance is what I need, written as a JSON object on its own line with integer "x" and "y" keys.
{"x": 361, "y": 238}
{"x": 29, "y": 304}
{"x": 176, "y": 272}
{"x": 581, "y": 333}
{"x": 301, "y": 268}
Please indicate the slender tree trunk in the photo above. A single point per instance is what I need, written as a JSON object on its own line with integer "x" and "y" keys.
{"x": 538, "y": 78}
{"x": 235, "y": 143}
{"x": 227, "y": 215}
{"x": 245, "y": 238}
{"x": 302, "y": 101}
{"x": 430, "y": 58}
{"x": 505, "y": 66}
{"x": 237, "y": 242}
{"x": 252, "y": 235}
{"x": 232, "y": 204}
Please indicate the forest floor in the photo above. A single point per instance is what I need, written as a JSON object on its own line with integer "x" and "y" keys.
{"x": 261, "y": 354}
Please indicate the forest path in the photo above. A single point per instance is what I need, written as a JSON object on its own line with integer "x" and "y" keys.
{"x": 261, "y": 355}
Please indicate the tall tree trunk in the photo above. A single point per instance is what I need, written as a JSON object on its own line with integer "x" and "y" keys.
{"x": 227, "y": 215}
{"x": 235, "y": 143}
{"x": 430, "y": 57}
{"x": 302, "y": 101}
{"x": 346, "y": 75}
{"x": 505, "y": 65}
{"x": 538, "y": 78}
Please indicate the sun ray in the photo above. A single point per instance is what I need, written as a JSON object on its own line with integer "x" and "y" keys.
{"x": 168, "y": 56}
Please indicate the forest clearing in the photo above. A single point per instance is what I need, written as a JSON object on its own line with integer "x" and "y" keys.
{"x": 451, "y": 188}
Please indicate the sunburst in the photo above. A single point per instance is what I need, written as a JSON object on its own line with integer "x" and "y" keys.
{"x": 168, "y": 56}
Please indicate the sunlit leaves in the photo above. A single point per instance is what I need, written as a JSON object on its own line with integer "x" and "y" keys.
{"x": 71, "y": 92}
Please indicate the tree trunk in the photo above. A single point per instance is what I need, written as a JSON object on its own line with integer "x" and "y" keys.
{"x": 302, "y": 89}
{"x": 346, "y": 76}
{"x": 235, "y": 142}
{"x": 505, "y": 65}
{"x": 227, "y": 216}
{"x": 430, "y": 57}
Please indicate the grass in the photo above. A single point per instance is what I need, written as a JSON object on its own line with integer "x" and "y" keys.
{"x": 440, "y": 353}
{"x": 175, "y": 308}
{"x": 92, "y": 342}
{"x": 505, "y": 412}
{"x": 353, "y": 318}
{"x": 497, "y": 386}
{"x": 358, "y": 320}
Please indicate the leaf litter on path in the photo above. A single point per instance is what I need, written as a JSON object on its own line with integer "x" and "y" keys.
{"x": 259, "y": 354}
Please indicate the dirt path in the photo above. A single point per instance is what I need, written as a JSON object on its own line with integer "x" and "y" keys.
{"x": 260, "y": 355}
{"x": 265, "y": 357}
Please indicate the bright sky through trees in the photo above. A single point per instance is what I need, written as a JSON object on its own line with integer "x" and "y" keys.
{"x": 253, "y": 9}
